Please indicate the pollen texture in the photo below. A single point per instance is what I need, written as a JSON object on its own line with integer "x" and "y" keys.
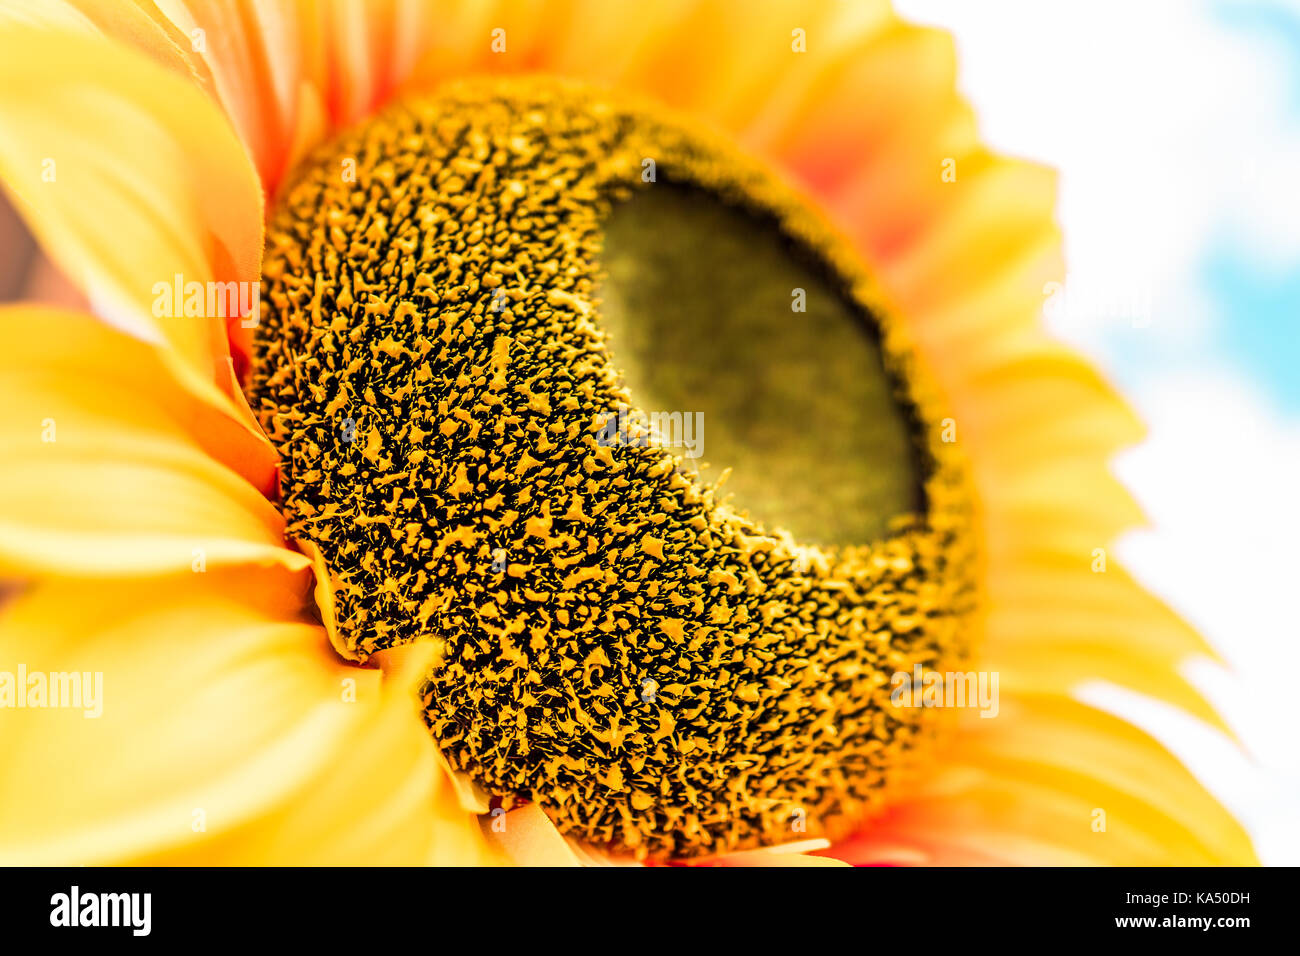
{"x": 618, "y": 640}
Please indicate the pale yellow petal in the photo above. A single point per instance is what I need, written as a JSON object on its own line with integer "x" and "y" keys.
{"x": 131, "y": 177}
{"x": 113, "y": 469}
{"x": 223, "y": 729}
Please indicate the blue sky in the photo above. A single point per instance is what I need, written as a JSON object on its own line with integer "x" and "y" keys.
{"x": 1258, "y": 306}
{"x": 1257, "y": 313}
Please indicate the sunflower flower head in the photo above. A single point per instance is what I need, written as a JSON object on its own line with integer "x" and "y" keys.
{"x": 615, "y": 640}
{"x": 644, "y": 397}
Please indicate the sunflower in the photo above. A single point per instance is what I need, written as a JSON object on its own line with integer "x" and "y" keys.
{"x": 347, "y": 510}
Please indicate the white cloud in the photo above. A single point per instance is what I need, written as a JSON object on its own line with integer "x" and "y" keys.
{"x": 1164, "y": 126}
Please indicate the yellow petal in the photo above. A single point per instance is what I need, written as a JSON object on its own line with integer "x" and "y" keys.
{"x": 1055, "y": 623}
{"x": 129, "y": 176}
{"x": 1051, "y": 781}
{"x": 225, "y": 730}
{"x": 111, "y": 468}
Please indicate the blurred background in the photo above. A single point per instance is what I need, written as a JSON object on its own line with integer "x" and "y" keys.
{"x": 1175, "y": 127}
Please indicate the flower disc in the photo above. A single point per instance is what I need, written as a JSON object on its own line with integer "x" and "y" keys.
{"x": 460, "y": 298}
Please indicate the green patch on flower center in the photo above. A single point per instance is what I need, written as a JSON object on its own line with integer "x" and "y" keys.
{"x": 665, "y": 671}
{"x": 714, "y": 313}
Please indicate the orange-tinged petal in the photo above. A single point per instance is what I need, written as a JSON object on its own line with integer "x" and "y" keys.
{"x": 109, "y": 465}
{"x": 885, "y": 90}
{"x": 129, "y": 176}
{"x": 990, "y": 214}
{"x": 682, "y": 63}
{"x": 796, "y": 854}
{"x": 369, "y": 49}
{"x": 1054, "y": 781}
{"x": 251, "y": 52}
{"x": 527, "y": 836}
